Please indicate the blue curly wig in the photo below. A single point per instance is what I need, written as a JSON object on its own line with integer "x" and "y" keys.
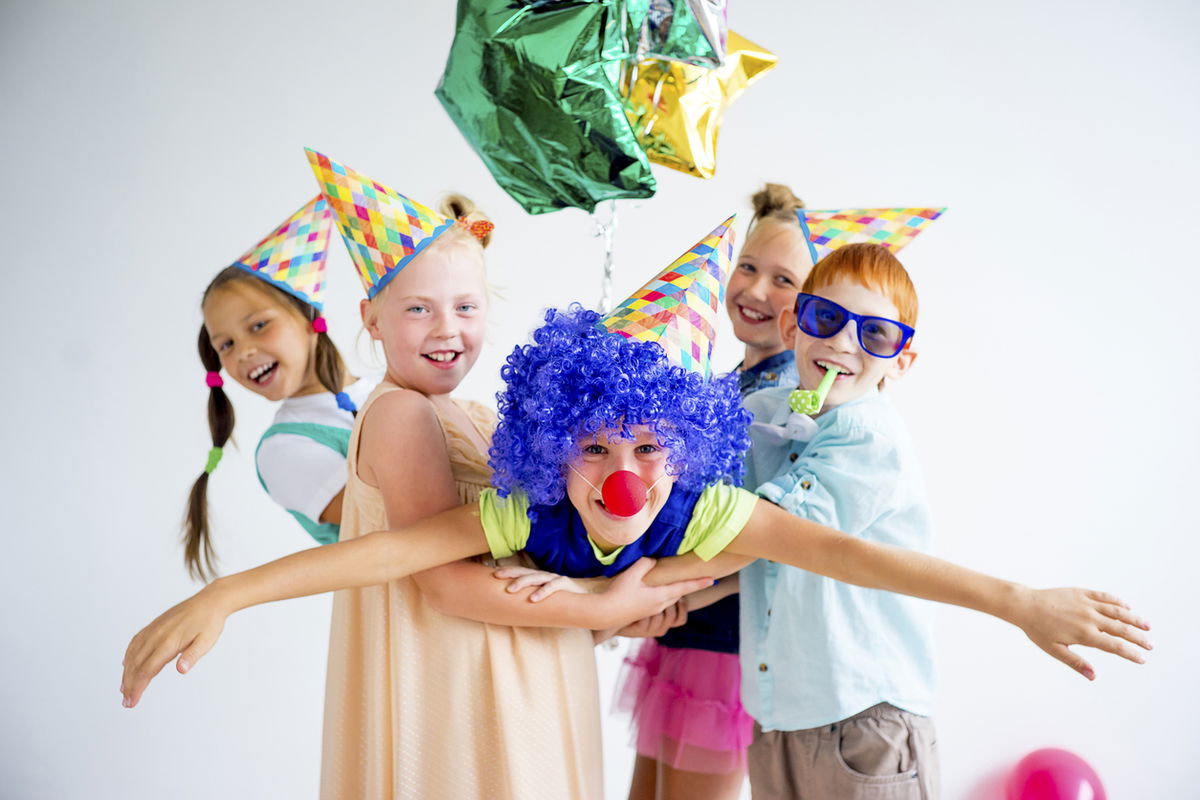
{"x": 578, "y": 379}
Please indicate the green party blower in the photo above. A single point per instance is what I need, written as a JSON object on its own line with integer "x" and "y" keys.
{"x": 807, "y": 401}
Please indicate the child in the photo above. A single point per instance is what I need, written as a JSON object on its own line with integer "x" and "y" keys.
{"x": 773, "y": 263}
{"x": 263, "y": 326}
{"x": 621, "y": 403}
{"x": 691, "y": 674}
{"x": 420, "y": 703}
{"x": 850, "y": 716}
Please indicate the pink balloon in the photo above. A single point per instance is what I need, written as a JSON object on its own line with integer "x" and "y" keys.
{"x": 1053, "y": 774}
{"x": 624, "y": 493}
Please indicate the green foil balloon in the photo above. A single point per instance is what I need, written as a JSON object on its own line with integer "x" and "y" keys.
{"x": 532, "y": 86}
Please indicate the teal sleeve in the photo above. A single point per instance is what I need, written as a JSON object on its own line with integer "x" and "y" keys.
{"x": 719, "y": 516}
{"x": 505, "y": 521}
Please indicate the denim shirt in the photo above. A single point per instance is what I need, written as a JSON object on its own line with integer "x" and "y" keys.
{"x": 777, "y": 370}
{"x": 815, "y": 651}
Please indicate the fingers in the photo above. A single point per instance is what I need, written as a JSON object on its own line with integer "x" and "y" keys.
{"x": 639, "y": 568}
{"x": 1120, "y": 611}
{"x": 558, "y": 583}
{"x": 531, "y": 578}
{"x": 1112, "y": 644}
{"x": 687, "y": 587}
{"x": 194, "y": 652}
{"x": 1105, "y": 597}
{"x": 1127, "y": 631}
{"x": 1072, "y": 660}
{"x": 140, "y": 670}
{"x": 507, "y": 573}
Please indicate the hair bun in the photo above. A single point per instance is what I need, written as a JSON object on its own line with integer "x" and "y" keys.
{"x": 775, "y": 200}
{"x": 459, "y": 206}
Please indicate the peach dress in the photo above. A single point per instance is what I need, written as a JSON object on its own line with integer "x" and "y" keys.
{"x": 423, "y": 705}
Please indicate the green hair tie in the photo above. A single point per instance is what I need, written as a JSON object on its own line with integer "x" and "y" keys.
{"x": 214, "y": 458}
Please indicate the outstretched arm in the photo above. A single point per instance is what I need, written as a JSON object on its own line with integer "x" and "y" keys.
{"x": 190, "y": 629}
{"x": 1053, "y": 618}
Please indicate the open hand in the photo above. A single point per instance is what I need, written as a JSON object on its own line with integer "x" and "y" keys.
{"x": 1055, "y": 619}
{"x": 188, "y": 630}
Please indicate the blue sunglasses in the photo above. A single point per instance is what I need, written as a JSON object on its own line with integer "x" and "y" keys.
{"x": 879, "y": 336}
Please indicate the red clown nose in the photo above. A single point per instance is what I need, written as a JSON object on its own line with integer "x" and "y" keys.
{"x": 624, "y": 493}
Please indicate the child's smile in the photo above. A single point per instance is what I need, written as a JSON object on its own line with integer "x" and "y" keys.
{"x": 263, "y": 346}
{"x": 603, "y": 455}
{"x": 431, "y": 318}
{"x": 859, "y": 371}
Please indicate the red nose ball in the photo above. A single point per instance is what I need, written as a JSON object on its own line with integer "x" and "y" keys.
{"x": 624, "y": 493}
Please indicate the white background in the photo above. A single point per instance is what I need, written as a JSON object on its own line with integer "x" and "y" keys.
{"x": 146, "y": 145}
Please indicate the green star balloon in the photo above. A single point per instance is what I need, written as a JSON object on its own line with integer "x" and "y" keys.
{"x": 532, "y": 86}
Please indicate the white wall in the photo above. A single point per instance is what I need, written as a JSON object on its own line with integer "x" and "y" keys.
{"x": 148, "y": 144}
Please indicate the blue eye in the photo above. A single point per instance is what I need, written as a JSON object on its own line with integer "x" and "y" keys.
{"x": 747, "y": 267}
{"x": 467, "y": 308}
{"x": 784, "y": 280}
{"x": 594, "y": 450}
{"x": 647, "y": 449}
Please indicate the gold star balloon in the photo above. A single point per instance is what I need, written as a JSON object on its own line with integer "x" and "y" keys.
{"x": 676, "y": 109}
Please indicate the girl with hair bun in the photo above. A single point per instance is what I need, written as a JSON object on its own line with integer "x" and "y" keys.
{"x": 687, "y": 668}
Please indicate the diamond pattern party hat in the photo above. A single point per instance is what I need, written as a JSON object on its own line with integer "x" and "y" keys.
{"x": 383, "y": 229}
{"x": 893, "y": 228}
{"x": 292, "y": 257}
{"x": 679, "y": 307}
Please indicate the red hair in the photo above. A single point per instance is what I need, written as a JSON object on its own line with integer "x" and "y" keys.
{"x": 872, "y": 266}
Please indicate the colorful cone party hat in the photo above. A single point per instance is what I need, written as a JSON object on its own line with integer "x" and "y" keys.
{"x": 678, "y": 309}
{"x": 383, "y": 229}
{"x": 893, "y": 228}
{"x": 292, "y": 257}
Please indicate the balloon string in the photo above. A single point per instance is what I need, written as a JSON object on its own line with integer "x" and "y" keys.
{"x": 606, "y": 230}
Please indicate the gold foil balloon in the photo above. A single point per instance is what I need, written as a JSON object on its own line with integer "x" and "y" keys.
{"x": 676, "y": 109}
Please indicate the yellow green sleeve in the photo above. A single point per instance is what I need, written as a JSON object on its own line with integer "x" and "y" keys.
{"x": 505, "y": 521}
{"x": 719, "y": 516}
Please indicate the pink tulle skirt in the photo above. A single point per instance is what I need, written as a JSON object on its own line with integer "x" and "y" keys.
{"x": 686, "y": 707}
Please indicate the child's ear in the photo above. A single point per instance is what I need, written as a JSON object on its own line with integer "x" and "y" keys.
{"x": 902, "y": 363}
{"x": 369, "y": 320}
{"x": 787, "y": 328}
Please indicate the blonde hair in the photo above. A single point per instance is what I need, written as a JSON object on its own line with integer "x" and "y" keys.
{"x": 774, "y": 201}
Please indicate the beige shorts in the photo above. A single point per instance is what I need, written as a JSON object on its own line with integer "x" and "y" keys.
{"x": 882, "y": 753}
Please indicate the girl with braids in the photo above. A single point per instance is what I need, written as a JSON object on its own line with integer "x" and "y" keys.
{"x": 263, "y": 327}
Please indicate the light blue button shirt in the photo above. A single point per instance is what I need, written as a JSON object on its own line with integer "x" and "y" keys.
{"x": 815, "y": 651}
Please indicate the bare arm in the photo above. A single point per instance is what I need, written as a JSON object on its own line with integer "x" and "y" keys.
{"x": 690, "y": 565}
{"x": 191, "y": 628}
{"x": 474, "y": 591}
{"x": 1052, "y": 618}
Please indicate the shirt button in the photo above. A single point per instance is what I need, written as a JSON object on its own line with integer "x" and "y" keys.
{"x": 770, "y": 376}
{"x": 762, "y": 667}
{"x": 768, "y": 612}
{"x": 806, "y": 485}
{"x": 793, "y": 457}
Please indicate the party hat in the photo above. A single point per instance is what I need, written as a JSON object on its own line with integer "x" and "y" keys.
{"x": 679, "y": 307}
{"x": 893, "y": 228}
{"x": 383, "y": 229}
{"x": 292, "y": 257}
